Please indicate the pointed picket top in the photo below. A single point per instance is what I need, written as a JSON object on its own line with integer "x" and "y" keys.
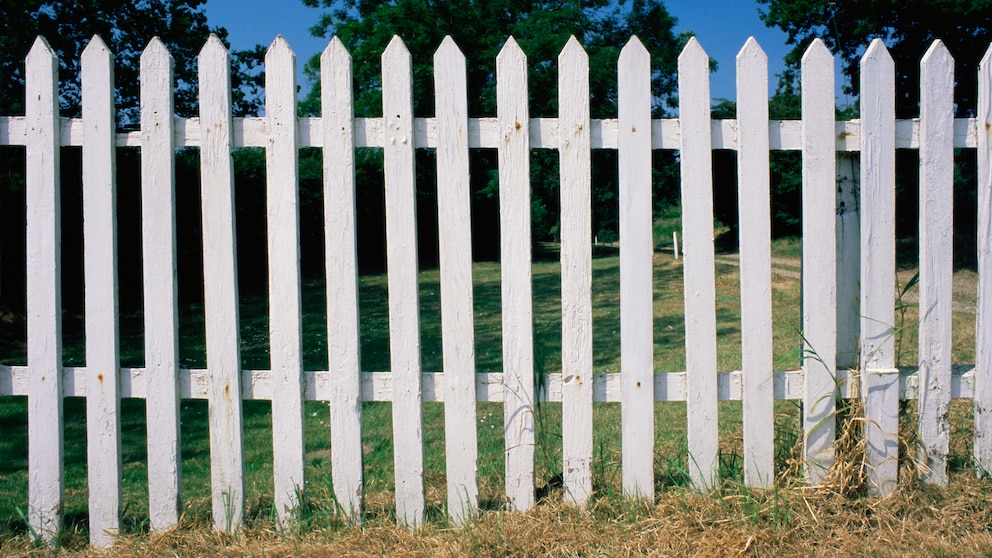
{"x": 817, "y": 49}
{"x": 335, "y": 71}
{"x": 986, "y": 63}
{"x": 511, "y": 52}
{"x": 96, "y": 47}
{"x": 336, "y": 50}
{"x": 280, "y": 50}
{"x": 751, "y": 50}
{"x": 214, "y": 73}
{"x": 572, "y": 50}
{"x": 450, "y": 51}
{"x": 156, "y": 53}
{"x": 817, "y": 78}
{"x": 39, "y": 49}
{"x": 633, "y": 53}
{"x": 396, "y": 52}
{"x": 214, "y": 48}
{"x": 878, "y": 54}
{"x": 98, "y": 70}
{"x": 936, "y": 55}
{"x": 693, "y": 51}
{"x": 280, "y": 68}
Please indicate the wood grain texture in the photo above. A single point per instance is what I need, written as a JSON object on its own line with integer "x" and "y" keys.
{"x": 340, "y": 242}
{"x": 936, "y": 259}
{"x": 636, "y": 280}
{"x": 819, "y": 261}
{"x": 44, "y": 292}
{"x": 879, "y": 378}
{"x": 454, "y": 205}
{"x": 699, "y": 268}
{"x": 513, "y": 154}
{"x": 401, "y": 257}
{"x": 484, "y": 133}
{"x": 754, "y": 205}
{"x": 576, "y": 270}
{"x": 983, "y": 327}
{"x": 220, "y": 288}
{"x": 159, "y": 261}
{"x": 103, "y": 404}
{"x": 285, "y": 291}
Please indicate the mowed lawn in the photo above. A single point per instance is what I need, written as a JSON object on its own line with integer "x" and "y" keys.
{"x": 670, "y": 429}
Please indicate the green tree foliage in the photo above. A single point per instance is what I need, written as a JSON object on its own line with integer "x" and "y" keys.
{"x": 908, "y": 27}
{"x": 480, "y": 29}
{"x": 126, "y": 26}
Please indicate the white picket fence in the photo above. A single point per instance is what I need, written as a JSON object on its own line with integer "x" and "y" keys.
{"x": 827, "y": 278}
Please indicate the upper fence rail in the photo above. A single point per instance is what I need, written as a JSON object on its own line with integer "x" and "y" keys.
{"x": 484, "y": 133}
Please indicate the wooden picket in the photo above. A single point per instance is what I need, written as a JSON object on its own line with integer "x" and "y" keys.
{"x": 983, "y": 329}
{"x": 866, "y": 147}
{"x": 404, "y": 307}
{"x": 340, "y": 241}
{"x": 756, "y": 266}
{"x": 103, "y": 402}
{"x": 936, "y": 263}
{"x": 819, "y": 261}
{"x": 220, "y": 288}
{"x": 576, "y": 270}
{"x": 44, "y": 310}
{"x": 513, "y": 152}
{"x": 454, "y": 203}
{"x": 285, "y": 290}
{"x": 159, "y": 259}
{"x": 636, "y": 279}
{"x": 697, "y": 249}
{"x": 879, "y": 377}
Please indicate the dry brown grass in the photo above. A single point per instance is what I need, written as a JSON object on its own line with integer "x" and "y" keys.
{"x": 791, "y": 521}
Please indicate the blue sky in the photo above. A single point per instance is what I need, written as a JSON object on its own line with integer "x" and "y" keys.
{"x": 721, "y": 26}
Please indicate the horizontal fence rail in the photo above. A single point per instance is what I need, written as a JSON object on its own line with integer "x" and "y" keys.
{"x": 489, "y": 386}
{"x": 851, "y": 259}
{"x": 484, "y": 133}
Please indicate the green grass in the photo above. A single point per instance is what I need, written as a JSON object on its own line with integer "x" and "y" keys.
{"x": 670, "y": 424}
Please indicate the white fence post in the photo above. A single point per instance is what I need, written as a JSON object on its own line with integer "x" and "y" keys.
{"x": 754, "y": 206}
{"x": 404, "y": 307}
{"x": 699, "y": 275}
{"x": 936, "y": 261}
{"x": 576, "y": 270}
{"x": 879, "y": 377}
{"x": 340, "y": 243}
{"x": 636, "y": 280}
{"x": 103, "y": 403}
{"x": 454, "y": 205}
{"x": 285, "y": 290}
{"x": 220, "y": 288}
{"x": 513, "y": 153}
{"x": 158, "y": 236}
{"x": 819, "y": 261}
{"x": 44, "y": 292}
{"x": 983, "y": 327}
